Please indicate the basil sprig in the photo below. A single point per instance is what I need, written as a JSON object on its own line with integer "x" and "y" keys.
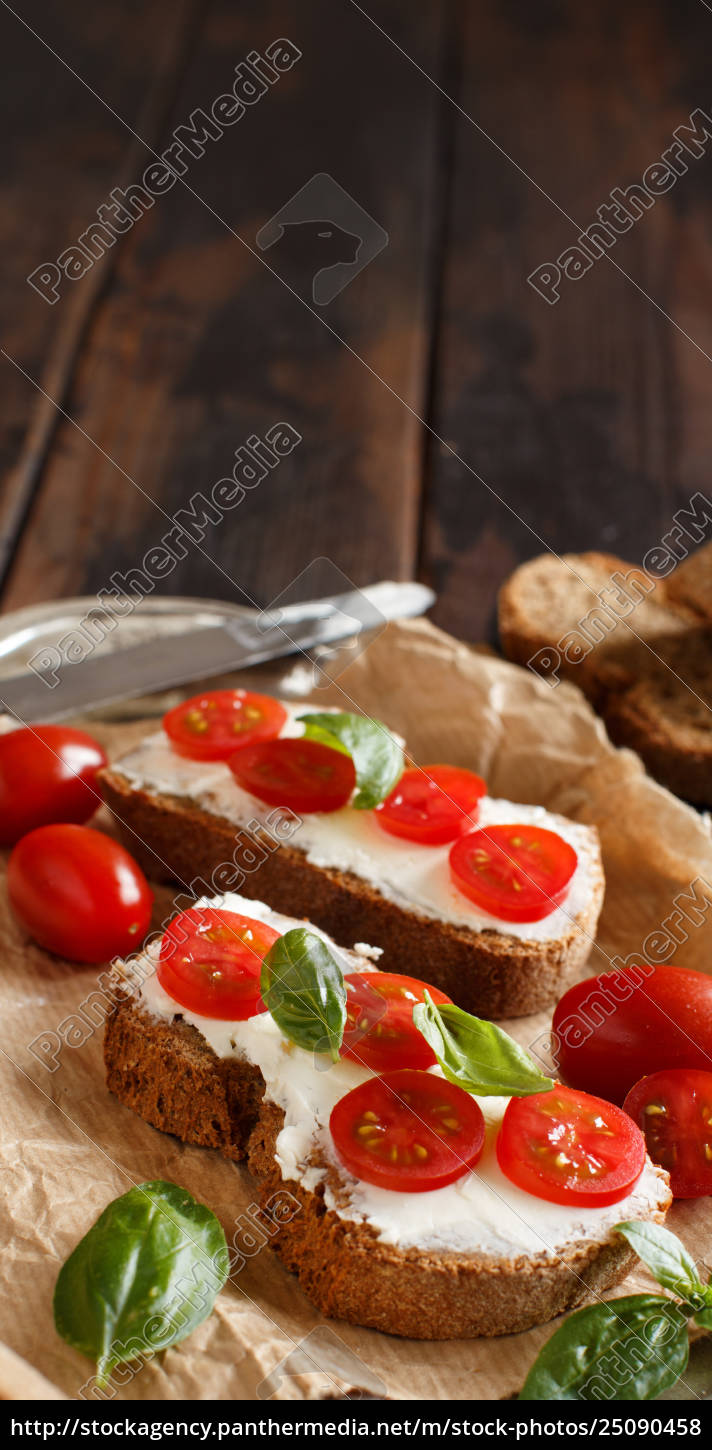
{"x": 667, "y": 1259}
{"x": 376, "y": 754}
{"x": 145, "y": 1276}
{"x": 302, "y": 986}
{"x": 476, "y": 1055}
{"x": 631, "y": 1348}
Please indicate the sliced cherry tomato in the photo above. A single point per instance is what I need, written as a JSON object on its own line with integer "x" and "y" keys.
{"x": 568, "y": 1147}
{"x": 516, "y": 873}
{"x": 379, "y": 1031}
{"x": 673, "y": 1110}
{"x": 210, "y": 962}
{"x": 409, "y": 1131}
{"x": 432, "y": 805}
{"x": 302, "y": 775}
{"x": 47, "y": 773}
{"x": 212, "y": 726}
{"x": 78, "y": 893}
{"x": 613, "y": 1029}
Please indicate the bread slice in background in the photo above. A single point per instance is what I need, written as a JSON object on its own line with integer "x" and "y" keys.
{"x": 667, "y": 716}
{"x": 567, "y": 606}
{"x": 646, "y": 668}
{"x": 690, "y": 584}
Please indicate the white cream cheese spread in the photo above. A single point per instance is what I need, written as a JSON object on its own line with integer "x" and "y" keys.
{"x": 482, "y": 1212}
{"x": 414, "y": 877}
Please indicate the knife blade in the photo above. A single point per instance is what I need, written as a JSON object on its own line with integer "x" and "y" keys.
{"x": 236, "y": 642}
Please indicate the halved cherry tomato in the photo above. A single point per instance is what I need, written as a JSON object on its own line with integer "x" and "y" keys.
{"x": 78, "y": 893}
{"x": 568, "y": 1147}
{"x": 432, "y": 805}
{"x": 212, "y": 726}
{"x": 409, "y": 1131}
{"x": 614, "y": 1028}
{"x": 302, "y": 775}
{"x": 516, "y": 873}
{"x": 211, "y": 960}
{"x": 47, "y": 774}
{"x": 673, "y": 1110}
{"x": 380, "y": 1032}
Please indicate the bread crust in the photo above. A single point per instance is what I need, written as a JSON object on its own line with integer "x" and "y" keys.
{"x": 690, "y": 584}
{"x": 487, "y": 972}
{"x": 647, "y": 681}
{"x": 637, "y": 720}
{"x": 171, "y": 1077}
{"x": 342, "y": 1266}
{"x": 545, "y": 601}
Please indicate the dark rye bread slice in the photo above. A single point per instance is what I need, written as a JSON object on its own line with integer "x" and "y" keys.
{"x": 348, "y": 1273}
{"x": 653, "y": 687}
{"x": 171, "y": 1077}
{"x": 485, "y": 972}
{"x": 667, "y": 717}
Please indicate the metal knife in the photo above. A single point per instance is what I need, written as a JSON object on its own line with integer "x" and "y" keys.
{"x": 175, "y": 659}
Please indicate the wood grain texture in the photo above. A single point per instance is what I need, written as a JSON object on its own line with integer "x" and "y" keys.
{"x": 589, "y": 421}
{"x": 61, "y": 130}
{"x": 197, "y": 345}
{"x": 590, "y": 418}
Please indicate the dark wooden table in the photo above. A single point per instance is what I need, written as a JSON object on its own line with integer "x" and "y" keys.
{"x": 453, "y": 422}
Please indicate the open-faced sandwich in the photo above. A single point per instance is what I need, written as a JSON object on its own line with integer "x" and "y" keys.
{"x": 441, "y": 1186}
{"x": 319, "y": 814}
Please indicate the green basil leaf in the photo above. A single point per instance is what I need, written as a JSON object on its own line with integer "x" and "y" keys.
{"x": 628, "y": 1349}
{"x": 146, "y": 1275}
{"x": 303, "y": 988}
{"x": 324, "y": 737}
{"x": 666, "y": 1258}
{"x": 376, "y": 754}
{"x": 477, "y": 1055}
{"x": 703, "y": 1317}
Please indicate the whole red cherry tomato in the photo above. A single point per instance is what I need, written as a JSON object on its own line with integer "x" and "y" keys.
{"x": 613, "y": 1029}
{"x": 47, "y": 773}
{"x": 673, "y": 1110}
{"x": 78, "y": 893}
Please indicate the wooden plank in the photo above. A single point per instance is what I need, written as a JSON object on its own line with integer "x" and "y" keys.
{"x": 589, "y": 417}
{"x": 198, "y": 346}
{"x": 61, "y": 122}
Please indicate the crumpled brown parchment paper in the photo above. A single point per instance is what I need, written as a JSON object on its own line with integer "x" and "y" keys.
{"x": 67, "y": 1148}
